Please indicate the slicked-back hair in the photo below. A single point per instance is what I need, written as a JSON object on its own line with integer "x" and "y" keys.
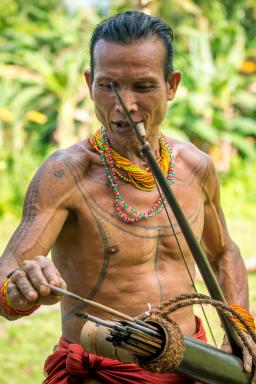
{"x": 132, "y": 26}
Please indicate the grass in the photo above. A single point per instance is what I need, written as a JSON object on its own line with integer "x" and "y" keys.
{"x": 24, "y": 345}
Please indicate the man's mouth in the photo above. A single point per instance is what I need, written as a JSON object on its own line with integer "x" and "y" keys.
{"x": 122, "y": 126}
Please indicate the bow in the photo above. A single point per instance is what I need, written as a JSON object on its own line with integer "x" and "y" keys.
{"x": 198, "y": 254}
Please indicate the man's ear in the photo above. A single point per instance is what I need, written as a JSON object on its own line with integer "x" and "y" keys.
{"x": 172, "y": 84}
{"x": 88, "y": 79}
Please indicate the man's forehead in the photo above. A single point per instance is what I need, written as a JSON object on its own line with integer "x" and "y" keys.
{"x": 151, "y": 44}
{"x": 142, "y": 56}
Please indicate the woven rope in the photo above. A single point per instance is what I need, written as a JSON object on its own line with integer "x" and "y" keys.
{"x": 162, "y": 313}
{"x": 172, "y": 354}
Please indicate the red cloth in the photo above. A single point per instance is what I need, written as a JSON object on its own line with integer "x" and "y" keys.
{"x": 70, "y": 364}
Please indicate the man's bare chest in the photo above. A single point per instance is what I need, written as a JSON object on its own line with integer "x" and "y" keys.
{"x": 94, "y": 216}
{"x": 109, "y": 253}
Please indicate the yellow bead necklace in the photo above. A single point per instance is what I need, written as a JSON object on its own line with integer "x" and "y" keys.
{"x": 141, "y": 178}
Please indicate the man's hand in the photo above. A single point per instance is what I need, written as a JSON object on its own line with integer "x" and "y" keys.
{"x": 247, "y": 359}
{"x": 27, "y": 288}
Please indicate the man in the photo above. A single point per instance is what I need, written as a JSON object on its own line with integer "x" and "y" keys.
{"x": 97, "y": 208}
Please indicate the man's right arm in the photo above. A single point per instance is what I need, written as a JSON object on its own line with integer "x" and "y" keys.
{"x": 44, "y": 213}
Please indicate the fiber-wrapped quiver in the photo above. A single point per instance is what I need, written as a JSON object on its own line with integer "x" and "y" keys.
{"x": 162, "y": 350}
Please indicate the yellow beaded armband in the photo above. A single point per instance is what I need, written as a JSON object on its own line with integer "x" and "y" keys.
{"x": 248, "y": 318}
{"x": 6, "y": 303}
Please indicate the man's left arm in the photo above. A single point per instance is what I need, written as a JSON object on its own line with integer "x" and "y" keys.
{"x": 223, "y": 254}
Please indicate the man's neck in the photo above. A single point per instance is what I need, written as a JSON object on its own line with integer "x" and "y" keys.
{"x": 132, "y": 150}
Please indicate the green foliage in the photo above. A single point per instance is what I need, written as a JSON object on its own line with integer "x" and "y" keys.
{"x": 44, "y": 102}
{"x": 238, "y": 190}
{"x": 238, "y": 198}
{"x": 15, "y": 175}
{"x": 211, "y": 45}
{"x": 43, "y": 99}
{"x": 216, "y": 101}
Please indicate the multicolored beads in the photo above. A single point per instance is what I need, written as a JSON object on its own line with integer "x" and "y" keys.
{"x": 125, "y": 212}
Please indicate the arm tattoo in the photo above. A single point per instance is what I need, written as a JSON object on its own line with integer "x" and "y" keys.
{"x": 28, "y": 216}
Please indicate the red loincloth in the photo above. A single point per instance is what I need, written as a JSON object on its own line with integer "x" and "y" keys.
{"x": 70, "y": 364}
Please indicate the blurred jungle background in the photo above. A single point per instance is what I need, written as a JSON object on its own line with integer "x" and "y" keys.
{"x": 44, "y": 105}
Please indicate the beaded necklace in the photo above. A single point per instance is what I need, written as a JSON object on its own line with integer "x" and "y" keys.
{"x": 125, "y": 212}
{"x": 141, "y": 178}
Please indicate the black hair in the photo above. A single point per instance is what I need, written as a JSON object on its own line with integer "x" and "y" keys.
{"x": 131, "y": 26}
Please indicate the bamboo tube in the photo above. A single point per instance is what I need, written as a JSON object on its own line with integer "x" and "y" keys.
{"x": 201, "y": 361}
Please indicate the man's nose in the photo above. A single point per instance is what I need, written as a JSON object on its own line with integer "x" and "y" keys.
{"x": 129, "y": 101}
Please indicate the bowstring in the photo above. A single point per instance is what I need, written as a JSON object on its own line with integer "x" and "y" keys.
{"x": 185, "y": 261}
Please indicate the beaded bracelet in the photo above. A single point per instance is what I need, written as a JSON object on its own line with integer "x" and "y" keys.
{"x": 6, "y": 303}
{"x": 246, "y": 316}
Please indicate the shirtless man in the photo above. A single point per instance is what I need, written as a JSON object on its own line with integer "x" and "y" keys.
{"x": 69, "y": 207}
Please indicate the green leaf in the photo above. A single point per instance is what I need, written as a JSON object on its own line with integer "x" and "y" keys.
{"x": 245, "y": 125}
{"x": 244, "y": 146}
{"x": 204, "y": 131}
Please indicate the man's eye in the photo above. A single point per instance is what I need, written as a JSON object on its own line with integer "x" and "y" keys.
{"x": 144, "y": 87}
{"x": 105, "y": 86}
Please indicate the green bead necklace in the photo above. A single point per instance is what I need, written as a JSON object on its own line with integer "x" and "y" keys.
{"x": 121, "y": 206}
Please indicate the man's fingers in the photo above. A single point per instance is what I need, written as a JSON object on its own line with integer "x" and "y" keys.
{"x": 27, "y": 283}
{"x": 247, "y": 358}
{"x": 247, "y": 361}
{"x": 254, "y": 376}
{"x": 16, "y": 298}
{"x": 254, "y": 367}
{"x": 24, "y": 286}
{"x": 49, "y": 271}
{"x": 36, "y": 277}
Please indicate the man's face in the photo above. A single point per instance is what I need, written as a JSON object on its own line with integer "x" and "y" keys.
{"x": 137, "y": 70}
